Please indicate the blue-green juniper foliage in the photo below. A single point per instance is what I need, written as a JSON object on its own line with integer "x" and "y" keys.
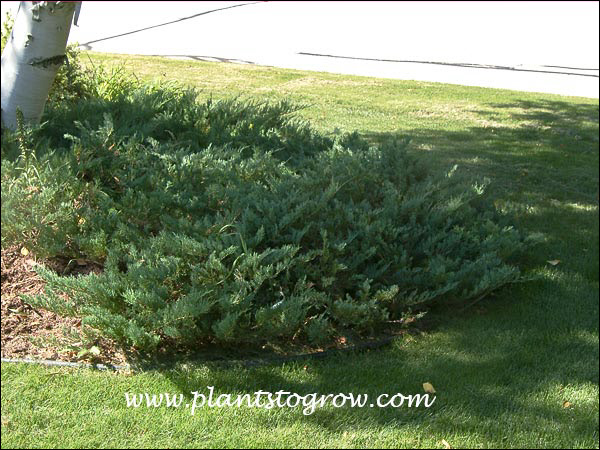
{"x": 234, "y": 221}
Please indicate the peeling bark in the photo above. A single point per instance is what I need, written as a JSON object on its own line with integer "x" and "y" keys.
{"x": 32, "y": 57}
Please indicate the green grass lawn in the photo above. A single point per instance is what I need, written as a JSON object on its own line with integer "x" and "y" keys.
{"x": 503, "y": 369}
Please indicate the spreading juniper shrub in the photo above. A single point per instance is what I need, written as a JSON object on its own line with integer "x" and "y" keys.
{"x": 234, "y": 221}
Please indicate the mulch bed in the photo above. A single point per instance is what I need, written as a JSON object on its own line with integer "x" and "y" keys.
{"x": 30, "y": 333}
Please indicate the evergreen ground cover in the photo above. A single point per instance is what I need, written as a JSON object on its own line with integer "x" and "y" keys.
{"x": 233, "y": 222}
{"x": 498, "y": 364}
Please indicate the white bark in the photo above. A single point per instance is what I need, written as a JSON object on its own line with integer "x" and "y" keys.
{"x": 32, "y": 56}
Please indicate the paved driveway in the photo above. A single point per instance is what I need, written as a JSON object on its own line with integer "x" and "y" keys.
{"x": 547, "y": 47}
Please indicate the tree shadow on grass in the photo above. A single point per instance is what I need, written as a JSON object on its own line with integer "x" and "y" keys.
{"x": 511, "y": 357}
{"x": 542, "y": 161}
{"x": 540, "y": 145}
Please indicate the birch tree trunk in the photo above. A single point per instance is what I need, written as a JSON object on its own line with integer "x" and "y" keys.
{"x": 33, "y": 54}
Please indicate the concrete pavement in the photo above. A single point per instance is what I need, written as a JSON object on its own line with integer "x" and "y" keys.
{"x": 549, "y": 47}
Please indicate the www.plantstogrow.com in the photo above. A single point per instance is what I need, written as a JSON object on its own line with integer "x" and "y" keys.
{"x": 279, "y": 399}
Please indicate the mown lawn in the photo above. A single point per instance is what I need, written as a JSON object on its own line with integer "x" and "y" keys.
{"x": 503, "y": 370}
